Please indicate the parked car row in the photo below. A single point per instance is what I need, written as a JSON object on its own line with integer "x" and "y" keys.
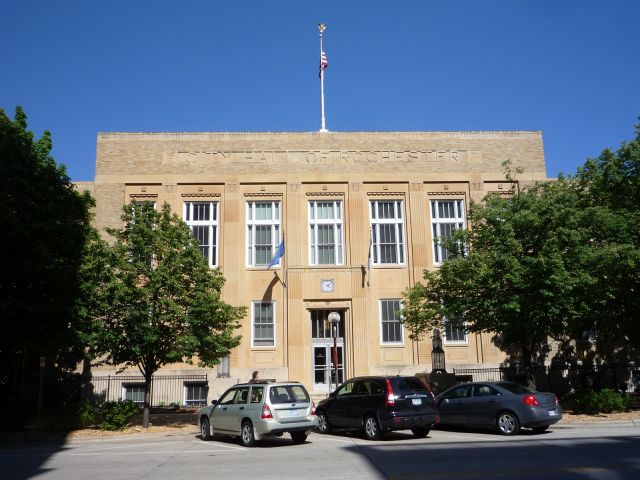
{"x": 374, "y": 405}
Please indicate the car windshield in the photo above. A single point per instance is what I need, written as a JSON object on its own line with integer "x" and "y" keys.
{"x": 288, "y": 393}
{"x": 514, "y": 387}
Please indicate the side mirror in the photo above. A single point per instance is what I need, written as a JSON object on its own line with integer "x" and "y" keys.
{"x": 214, "y": 402}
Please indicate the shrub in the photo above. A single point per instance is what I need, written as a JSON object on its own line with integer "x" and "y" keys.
{"x": 604, "y": 401}
{"x": 117, "y": 415}
{"x": 88, "y": 414}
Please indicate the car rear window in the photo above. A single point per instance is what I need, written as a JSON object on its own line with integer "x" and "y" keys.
{"x": 514, "y": 387}
{"x": 409, "y": 386}
{"x": 288, "y": 394}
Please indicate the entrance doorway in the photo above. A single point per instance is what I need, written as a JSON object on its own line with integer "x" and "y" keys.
{"x": 324, "y": 373}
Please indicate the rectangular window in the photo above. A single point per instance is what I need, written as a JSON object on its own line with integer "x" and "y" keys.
{"x": 263, "y": 232}
{"x": 387, "y": 232}
{"x": 133, "y": 392}
{"x": 320, "y": 326}
{"x": 454, "y": 331}
{"x": 446, "y": 216}
{"x": 202, "y": 218}
{"x": 195, "y": 394}
{"x": 325, "y": 233}
{"x": 390, "y": 321}
{"x": 263, "y": 324}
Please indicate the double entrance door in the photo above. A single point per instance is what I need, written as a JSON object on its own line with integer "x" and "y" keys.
{"x": 325, "y": 357}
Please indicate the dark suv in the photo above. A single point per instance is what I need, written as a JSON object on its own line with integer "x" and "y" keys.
{"x": 379, "y": 404}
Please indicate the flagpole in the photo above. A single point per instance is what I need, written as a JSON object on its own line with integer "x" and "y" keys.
{"x": 322, "y": 27}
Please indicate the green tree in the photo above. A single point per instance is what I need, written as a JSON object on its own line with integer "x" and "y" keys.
{"x": 520, "y": 275}
{"x": 45, "y": 222}
{"x": 609, "y": 188}
{"x": 150, "y": 298}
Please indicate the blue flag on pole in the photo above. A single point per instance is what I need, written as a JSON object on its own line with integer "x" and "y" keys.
{"x": 278, "y": 255}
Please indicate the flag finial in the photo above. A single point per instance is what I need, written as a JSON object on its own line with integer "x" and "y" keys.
{"x": 322, "y": 27}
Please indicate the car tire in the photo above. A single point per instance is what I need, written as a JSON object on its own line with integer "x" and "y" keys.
{"x": 323, "y": 423}
{"x": 372, "y": 428}
{"x": 541, "y": 429}
{"x": 247, "y": 437}
{"x": 508, "y": 423}
{"x": 299, "y": 437}
{"x": 420, "y": 432}
{"x": 205, "y": 429}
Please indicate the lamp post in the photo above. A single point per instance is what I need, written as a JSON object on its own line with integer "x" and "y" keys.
{"x": 334, "y": 320}
{"x": 437, "y": 353}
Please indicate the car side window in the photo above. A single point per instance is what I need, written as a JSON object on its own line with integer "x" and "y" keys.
{"x": 256, "y": 394}
{"x": 228, "y": 397}
{"x": 347, "y": 389}
{"x": 484, "y": 391}
{"x": 376, "y": 388}
{"x": 459, "y": 392}
{"x": 243, "y": 395}
{"x": 365, "y": 388}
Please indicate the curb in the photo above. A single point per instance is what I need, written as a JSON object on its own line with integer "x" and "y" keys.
{"x": 599, "y": 423}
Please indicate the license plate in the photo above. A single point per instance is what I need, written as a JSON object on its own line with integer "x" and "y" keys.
{"x": 293, "y": 413}
{"x": 553, "y": 413}
{"x": 416, "y": 401}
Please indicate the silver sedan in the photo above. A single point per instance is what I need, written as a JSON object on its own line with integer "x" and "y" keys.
{"x": 504, "y": 405}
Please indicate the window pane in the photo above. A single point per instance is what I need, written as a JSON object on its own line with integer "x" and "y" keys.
{"x": 325, "y": 233}
{"x": 263, "y": 327}
{"x": 201, "y": 218}
{"x": 391, "y": 321}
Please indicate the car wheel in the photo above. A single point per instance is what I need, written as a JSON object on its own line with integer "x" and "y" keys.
{"x": 323, "y": 423}
{"x": 205, "y": 429}
{"x": 540, "y": 429}
{"x": 298, "y": 437}
{"x": 420, "y": 432}
{"x": 508, "y": 423}
{"x": 372, "y": 428}
{"x": 247, "y": 437}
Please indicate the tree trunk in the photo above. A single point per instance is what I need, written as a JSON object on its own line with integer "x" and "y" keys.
{"x": 147, "y": 401}
{"x": 527, "y": 355}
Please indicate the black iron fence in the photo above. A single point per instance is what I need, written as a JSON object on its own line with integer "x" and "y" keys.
{"x": 166, "y": 390}
{"x": 561, "y": 379}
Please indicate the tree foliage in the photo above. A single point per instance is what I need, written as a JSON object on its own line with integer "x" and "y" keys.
{"x": 44, "y": 226}
{"x": 553, "y": 261}
{"x": 150, "y": 298}
{"x": 609, "y": 187}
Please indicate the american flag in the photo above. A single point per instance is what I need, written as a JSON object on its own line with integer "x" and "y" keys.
{"x": 323, "y": 61}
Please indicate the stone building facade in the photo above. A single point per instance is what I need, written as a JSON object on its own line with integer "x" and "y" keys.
{"x": 358, "y": 213}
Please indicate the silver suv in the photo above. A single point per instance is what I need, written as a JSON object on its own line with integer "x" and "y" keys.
{"x": 255, "y": 410}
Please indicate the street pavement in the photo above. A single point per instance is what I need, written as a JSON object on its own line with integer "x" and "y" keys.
{"x": 608, "y": 450}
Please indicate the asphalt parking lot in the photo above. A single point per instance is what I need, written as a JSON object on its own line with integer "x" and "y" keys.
{"x": 604, "y": 451}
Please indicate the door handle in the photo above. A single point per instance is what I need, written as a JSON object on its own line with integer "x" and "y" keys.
{"x": 224, "y": 408}
{"x": 241, "y": 408}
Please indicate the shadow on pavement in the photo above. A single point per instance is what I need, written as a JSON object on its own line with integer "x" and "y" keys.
{"x": 562, "y": 458}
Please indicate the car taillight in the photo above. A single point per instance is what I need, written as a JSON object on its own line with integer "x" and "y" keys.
{"x": 266, "y": 412}
{"x": 557, "y": 401}
{"x": 391, "y": 399}
{"x": 530, "y": 400}
{"x": 313, "y": 407}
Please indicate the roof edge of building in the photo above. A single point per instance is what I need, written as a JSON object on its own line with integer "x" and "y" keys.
{"x": 336, "y": 135}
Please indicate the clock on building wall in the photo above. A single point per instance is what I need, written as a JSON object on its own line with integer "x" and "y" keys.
{"x": 327, "y": 285}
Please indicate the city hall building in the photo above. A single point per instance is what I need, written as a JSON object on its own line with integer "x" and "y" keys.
{"x": 358, "y": 214}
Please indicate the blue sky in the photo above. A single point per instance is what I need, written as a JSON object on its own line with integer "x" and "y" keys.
{"x": 568, "y": 68}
